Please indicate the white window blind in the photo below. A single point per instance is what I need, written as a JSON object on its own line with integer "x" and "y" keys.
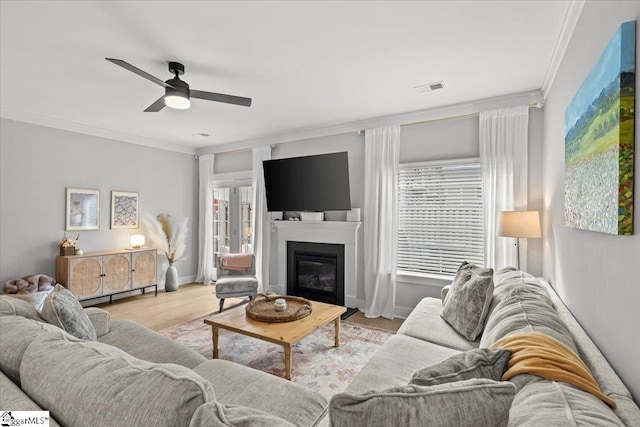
{"x": 440, "y": 216}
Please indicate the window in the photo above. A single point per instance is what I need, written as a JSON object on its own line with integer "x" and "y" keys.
{"x": 440, "y": 216}
{"x": 246, "y": 212}
{"x": 221, "y": 230}
{"x": 232, "y": 217}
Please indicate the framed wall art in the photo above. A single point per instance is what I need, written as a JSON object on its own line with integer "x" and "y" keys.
{"x": 599, "y": 141}
{"x": 124, "y": 209}
{"x": 82, "y": 209}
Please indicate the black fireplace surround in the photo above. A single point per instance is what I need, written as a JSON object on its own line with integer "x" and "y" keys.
{"x": 316, "y": 271}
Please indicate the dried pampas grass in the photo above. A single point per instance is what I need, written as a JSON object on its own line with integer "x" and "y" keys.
{"x": 166, "y": 236}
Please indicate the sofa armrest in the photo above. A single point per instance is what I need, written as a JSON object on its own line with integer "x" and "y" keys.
{"x": 101, "y": 320}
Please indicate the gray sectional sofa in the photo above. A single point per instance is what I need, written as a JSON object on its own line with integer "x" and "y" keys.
{"x": 133, "y": 376}
{"x": 520, "y": 302}
{"x": 136, "y": 377}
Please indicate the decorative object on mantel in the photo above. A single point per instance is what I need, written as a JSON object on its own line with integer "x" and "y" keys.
{"x": 599, "y": 142}
{"x": 83, "y": 209}
{"x": 264, "y": 308}
{"x": 169, "y": 238}
{"x": 519, "y": 224}
{"x": 124, "y": 209}
{"x": 68, "y": 246}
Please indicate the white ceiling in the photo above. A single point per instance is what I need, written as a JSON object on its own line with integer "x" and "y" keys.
{"x": 306, "y": 64}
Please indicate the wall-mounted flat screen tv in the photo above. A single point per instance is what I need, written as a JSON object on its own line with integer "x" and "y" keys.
{"x": 310, "y": 183}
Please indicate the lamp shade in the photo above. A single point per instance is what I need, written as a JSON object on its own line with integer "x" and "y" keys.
{"x": 519, "y": 224}
{"x": 136, "y": 241}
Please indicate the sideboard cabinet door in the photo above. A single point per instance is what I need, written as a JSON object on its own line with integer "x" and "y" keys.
{"x": 85, "y": 277}
{"x": 144, "y": 268}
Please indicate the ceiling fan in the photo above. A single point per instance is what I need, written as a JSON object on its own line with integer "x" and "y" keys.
{"x": 177, "y": 93}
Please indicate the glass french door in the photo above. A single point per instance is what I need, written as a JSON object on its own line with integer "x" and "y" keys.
{"x": 232, "y": 217}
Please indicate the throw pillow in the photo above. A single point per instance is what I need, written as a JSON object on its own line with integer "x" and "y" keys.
{"x": 476, "y": 402}
{"x": 478, "y": 363}
{"x": 62, "y": 309}
{"x": 468, "y": 300}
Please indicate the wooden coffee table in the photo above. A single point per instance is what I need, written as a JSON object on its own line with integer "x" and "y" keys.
{"x": 285, "y": 334}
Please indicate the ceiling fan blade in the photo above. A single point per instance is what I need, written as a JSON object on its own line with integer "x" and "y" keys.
{"x": 156, "y": 106}
{"x": 138, "y": 71}
{"x": 221, "y": 97}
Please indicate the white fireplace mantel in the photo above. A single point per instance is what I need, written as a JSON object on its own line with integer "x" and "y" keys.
{"x": 336, "y": 232}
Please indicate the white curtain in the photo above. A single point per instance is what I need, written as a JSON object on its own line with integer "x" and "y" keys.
{"x": 503, "y": 158}
{"x": 205, "y": 230}
{"x": 381, "y": 154}
{"x": 261, "y": 237}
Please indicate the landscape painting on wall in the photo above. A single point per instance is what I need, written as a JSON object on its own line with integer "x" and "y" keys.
{"x": 599, "y": 140}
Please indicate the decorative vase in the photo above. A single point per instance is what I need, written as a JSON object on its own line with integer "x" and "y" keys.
{"x": 171, "y": 279}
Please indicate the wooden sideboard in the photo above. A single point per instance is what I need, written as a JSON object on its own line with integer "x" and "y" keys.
{"x": 107, "y": 273}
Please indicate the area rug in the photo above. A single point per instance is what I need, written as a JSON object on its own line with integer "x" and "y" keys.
{"x": 317, "y": 364}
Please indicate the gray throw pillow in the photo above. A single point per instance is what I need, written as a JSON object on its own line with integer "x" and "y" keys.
{"x": 62, "y": 309}
{"x": 477, "y": 363}
{"x": 476, "y": 402}
{"x": 468, "y": 301}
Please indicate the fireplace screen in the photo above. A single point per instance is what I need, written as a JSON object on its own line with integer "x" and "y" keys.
{"x": 316, "y": 271}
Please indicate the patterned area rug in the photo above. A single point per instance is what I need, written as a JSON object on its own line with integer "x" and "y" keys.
{"x": 317, "y": 365}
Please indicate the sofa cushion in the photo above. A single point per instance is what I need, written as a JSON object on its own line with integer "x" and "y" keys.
{"x": 525, "y": 309}
{"x": 10, "y": 306}
{"x": 477, "y": 363}
{"x": 508, "y": 279}
{"x": 549, "y": 403}
{"x": 100, "y": 319}
{"x": 12, "y": 397}
{"x": 467, "y": 303}
{"x": 425, "y": 323}
{"x": 34, "y": 298}
{"x": 61, "y": 308}
{"x": 396, "y": 362}
{"x": 95, "y": 384}
{"x": 239, "y": 385}
{"x": 16, "y": 333}
{"x": 475, "y": 402}
{"x": 217, "y": 414}
{"x": 231, "y": 285}
{"x": 143, "y": 343}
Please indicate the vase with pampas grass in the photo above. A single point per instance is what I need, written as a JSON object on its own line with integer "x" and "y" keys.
{"x": 169, "y": 237}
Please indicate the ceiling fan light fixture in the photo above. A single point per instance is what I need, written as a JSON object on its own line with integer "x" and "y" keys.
{"x": 179, "y": 102}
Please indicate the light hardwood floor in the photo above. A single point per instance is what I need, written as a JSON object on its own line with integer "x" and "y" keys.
{"x": 192, "y": 301}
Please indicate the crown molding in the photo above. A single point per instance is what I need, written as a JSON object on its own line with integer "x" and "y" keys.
{"x": 51, "y": 122}
{"x": 568, "y": 26}
{"x": 472, "y": 107}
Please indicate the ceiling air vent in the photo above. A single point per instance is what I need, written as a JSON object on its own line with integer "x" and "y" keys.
{"x": 429, "y": 87}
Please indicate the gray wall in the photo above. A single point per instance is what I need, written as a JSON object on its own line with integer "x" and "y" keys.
{"x": 595, "y": 274}
{"x": 440, "y": 140}
{"x": 37, "y": 163}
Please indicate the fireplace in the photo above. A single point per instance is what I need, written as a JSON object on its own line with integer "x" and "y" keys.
{"x": 316, "y": 271}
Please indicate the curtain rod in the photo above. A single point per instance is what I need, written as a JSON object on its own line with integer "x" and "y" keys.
{"x": 442, "y": 119}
